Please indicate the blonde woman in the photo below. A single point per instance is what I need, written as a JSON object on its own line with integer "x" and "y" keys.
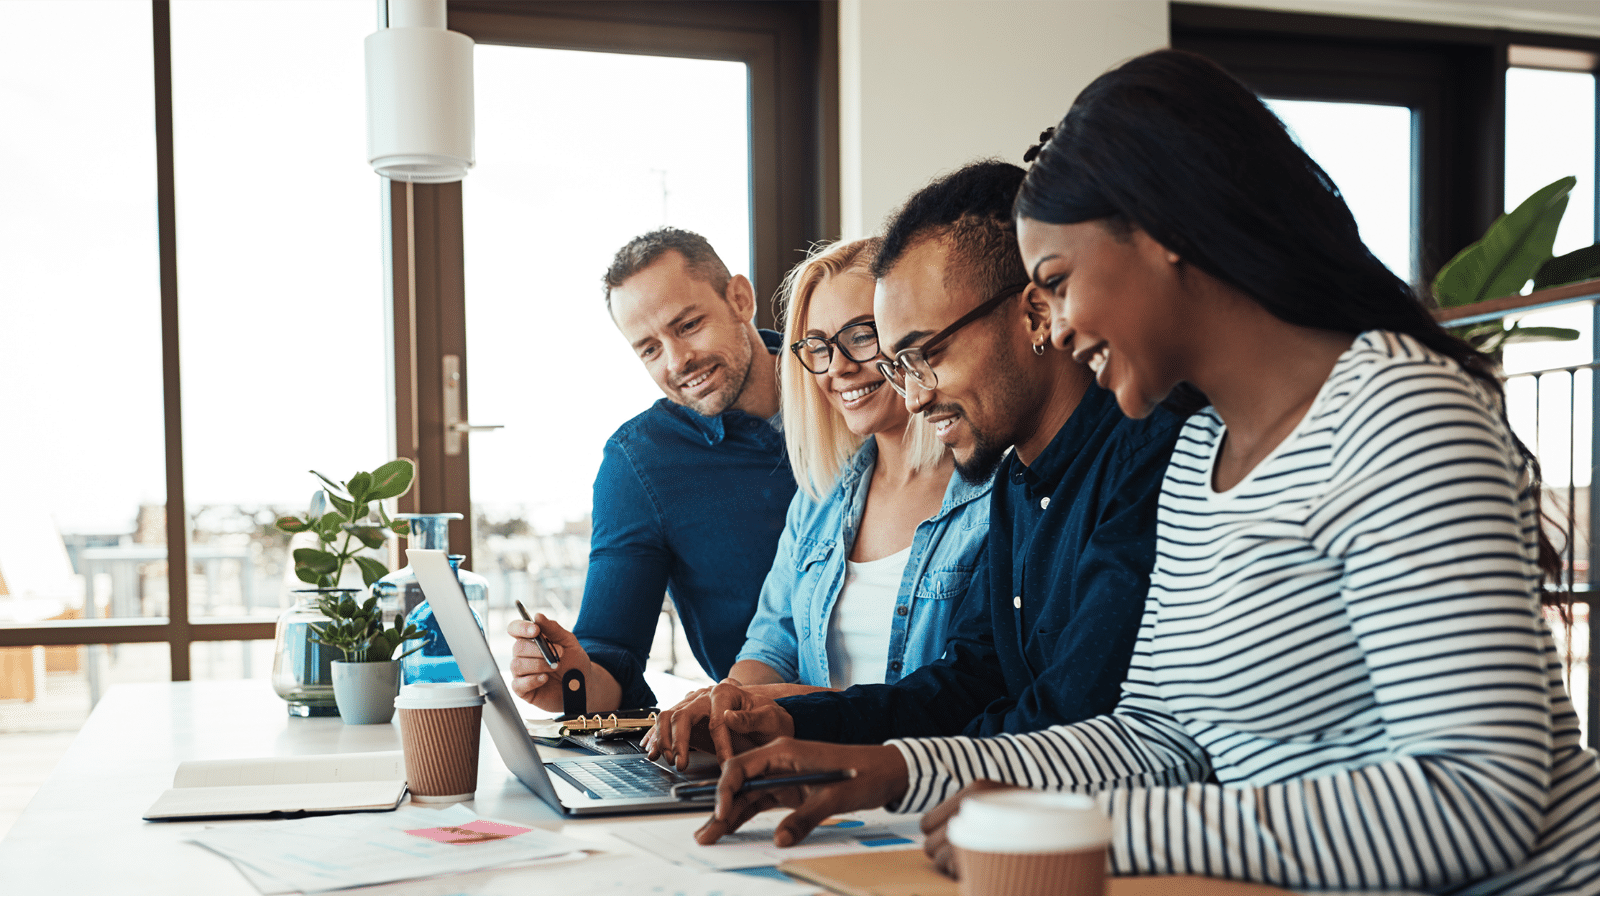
{"x": 881, "y": 540}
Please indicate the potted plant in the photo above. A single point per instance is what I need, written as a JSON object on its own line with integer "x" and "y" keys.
{"x": 340, "y": 517}
{"x": 366, "y": 681}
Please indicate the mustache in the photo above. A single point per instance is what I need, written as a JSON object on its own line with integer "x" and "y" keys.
{"x": 943, "y": 408}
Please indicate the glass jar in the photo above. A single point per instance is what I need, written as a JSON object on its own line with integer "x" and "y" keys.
{"x": 435, "y": 663}
{"x": 302, "y": 671}
{"x": 398, "y": 593}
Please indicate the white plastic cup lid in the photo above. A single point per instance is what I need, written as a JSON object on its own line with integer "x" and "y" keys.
{"x": 438, "y": 695}
{"x": 1021, "y": 821}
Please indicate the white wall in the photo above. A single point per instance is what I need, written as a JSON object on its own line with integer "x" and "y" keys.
{"x": 928, "y": 85}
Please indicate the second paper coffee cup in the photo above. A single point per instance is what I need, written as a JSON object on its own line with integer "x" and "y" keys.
{"x": 439, "y": 735}
{"x": 1030, "y": 842}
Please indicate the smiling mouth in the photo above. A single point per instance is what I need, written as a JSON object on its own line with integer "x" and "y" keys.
{"x": 1096, "y": 358}
{"x": 691, "y": 384}
{"x": 852, "y": 395}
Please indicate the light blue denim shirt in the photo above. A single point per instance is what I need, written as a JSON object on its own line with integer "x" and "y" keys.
{"x": 790, "y": 629}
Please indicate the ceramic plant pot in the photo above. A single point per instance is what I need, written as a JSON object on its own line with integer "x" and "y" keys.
{"x": 365, "y": 692}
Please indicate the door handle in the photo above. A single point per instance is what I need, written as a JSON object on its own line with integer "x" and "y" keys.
{"x": 454, "y": 426}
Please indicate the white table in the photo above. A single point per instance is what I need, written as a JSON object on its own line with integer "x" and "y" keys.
{"x": 82, "y": 833}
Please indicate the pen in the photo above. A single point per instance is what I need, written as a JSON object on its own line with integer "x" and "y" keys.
{"x": 544, "y": 643}
{"x": 706, "y": 790}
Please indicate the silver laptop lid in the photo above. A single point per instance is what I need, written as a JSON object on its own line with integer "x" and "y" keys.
{"x": 471, "y": 651}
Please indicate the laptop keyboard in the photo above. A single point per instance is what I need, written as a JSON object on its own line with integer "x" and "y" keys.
{"x": 635, "y": 777}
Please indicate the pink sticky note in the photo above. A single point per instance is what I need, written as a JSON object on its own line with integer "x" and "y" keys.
{"x": 475, "y": 832}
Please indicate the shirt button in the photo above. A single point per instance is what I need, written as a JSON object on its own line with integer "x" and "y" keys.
{"x": 1017, "y": 602}
{"x": 900, "y": 611}
{"x": 1044, "y": 503}
{"x": 895, "y": 666}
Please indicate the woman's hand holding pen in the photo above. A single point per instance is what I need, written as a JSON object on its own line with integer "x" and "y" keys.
{"x": 880, "y": 778}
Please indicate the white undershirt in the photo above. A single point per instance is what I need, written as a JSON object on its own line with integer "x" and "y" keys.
{"x": 863, "y": 620}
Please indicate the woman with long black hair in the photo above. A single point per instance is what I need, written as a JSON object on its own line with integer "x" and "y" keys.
{"x": 1344, "y": 679}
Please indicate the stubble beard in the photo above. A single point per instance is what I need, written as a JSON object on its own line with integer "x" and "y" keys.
{"x": 989, "y": 448}
{"x": 738, "y": 367}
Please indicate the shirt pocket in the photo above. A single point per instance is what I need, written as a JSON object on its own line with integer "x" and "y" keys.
{"x": 810, "y": 554}
{"x": 942, "y": 582}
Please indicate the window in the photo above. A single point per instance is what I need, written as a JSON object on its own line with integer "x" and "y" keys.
{"x": 1367, "y": 150}
{"x": 560, "y": 185}
{"x": 776, "y": 49}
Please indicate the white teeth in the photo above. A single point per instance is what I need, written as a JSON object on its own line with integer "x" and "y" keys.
{"x": 697, "y": 381}
{"x": 850, "y": 395}
{"x": 940, "y": 427}
{"x": 1097, "y": 361}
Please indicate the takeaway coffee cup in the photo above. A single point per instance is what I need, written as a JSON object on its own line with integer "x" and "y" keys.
{"x": 439, "y": 733}
{"x": 1030, "y": 842}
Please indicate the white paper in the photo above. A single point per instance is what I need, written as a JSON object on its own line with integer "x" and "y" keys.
{"x": 330, "y": 852}
{"x": 608, "y": 873}
{"x": 673, "y": 839}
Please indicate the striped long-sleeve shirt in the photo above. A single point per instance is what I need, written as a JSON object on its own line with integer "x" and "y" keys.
{"x": 1343, "y": 679}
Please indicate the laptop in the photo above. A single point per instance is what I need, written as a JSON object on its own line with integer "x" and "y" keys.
{"x": 610, "y": 783}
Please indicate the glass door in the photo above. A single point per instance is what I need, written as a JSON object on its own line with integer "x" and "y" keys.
{"x": 565, "y": 177}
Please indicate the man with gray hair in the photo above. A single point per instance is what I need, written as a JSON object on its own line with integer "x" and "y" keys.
{"x": 691, "y": 494}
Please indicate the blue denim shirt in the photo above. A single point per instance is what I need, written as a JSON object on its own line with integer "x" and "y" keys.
{"x": 790, "y": 629}
{"x": 689, "y": 506}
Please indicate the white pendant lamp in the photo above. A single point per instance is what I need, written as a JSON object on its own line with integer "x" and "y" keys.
{"x": 419, "y": 95}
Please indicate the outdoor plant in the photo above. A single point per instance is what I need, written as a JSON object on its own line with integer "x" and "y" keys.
{"x": 357, "y": 630}
{"x": 349, "y": 524}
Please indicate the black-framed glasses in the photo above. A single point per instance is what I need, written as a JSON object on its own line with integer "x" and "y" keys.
{"x": 914, "y": 361}
{"x": 857, "y": 342}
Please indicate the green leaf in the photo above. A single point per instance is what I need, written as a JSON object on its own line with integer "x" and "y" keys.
{"x": 401, "y": 527}
{"x": 1511, "y": 250}
{"x": 360, "y": 486}
{"x": 343, "y": 506}
{"x": 1580, "y": 264}
{"x": 381, "y": 647}
{"x": 306, "y": 575}
{"x": 1521, "y": 334}
{"x": 292, "y": 525}
{"x": 391, "y": 480}
{"x": 371, "y": 569}
{"x": 370, "y": 536}
{"x": 336, "y": 487}
{"x": 319, "y": 562}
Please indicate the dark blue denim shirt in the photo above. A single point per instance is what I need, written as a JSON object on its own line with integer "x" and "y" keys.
{"x": 1045, "y": 631}
{"x": 690, "y": 506}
